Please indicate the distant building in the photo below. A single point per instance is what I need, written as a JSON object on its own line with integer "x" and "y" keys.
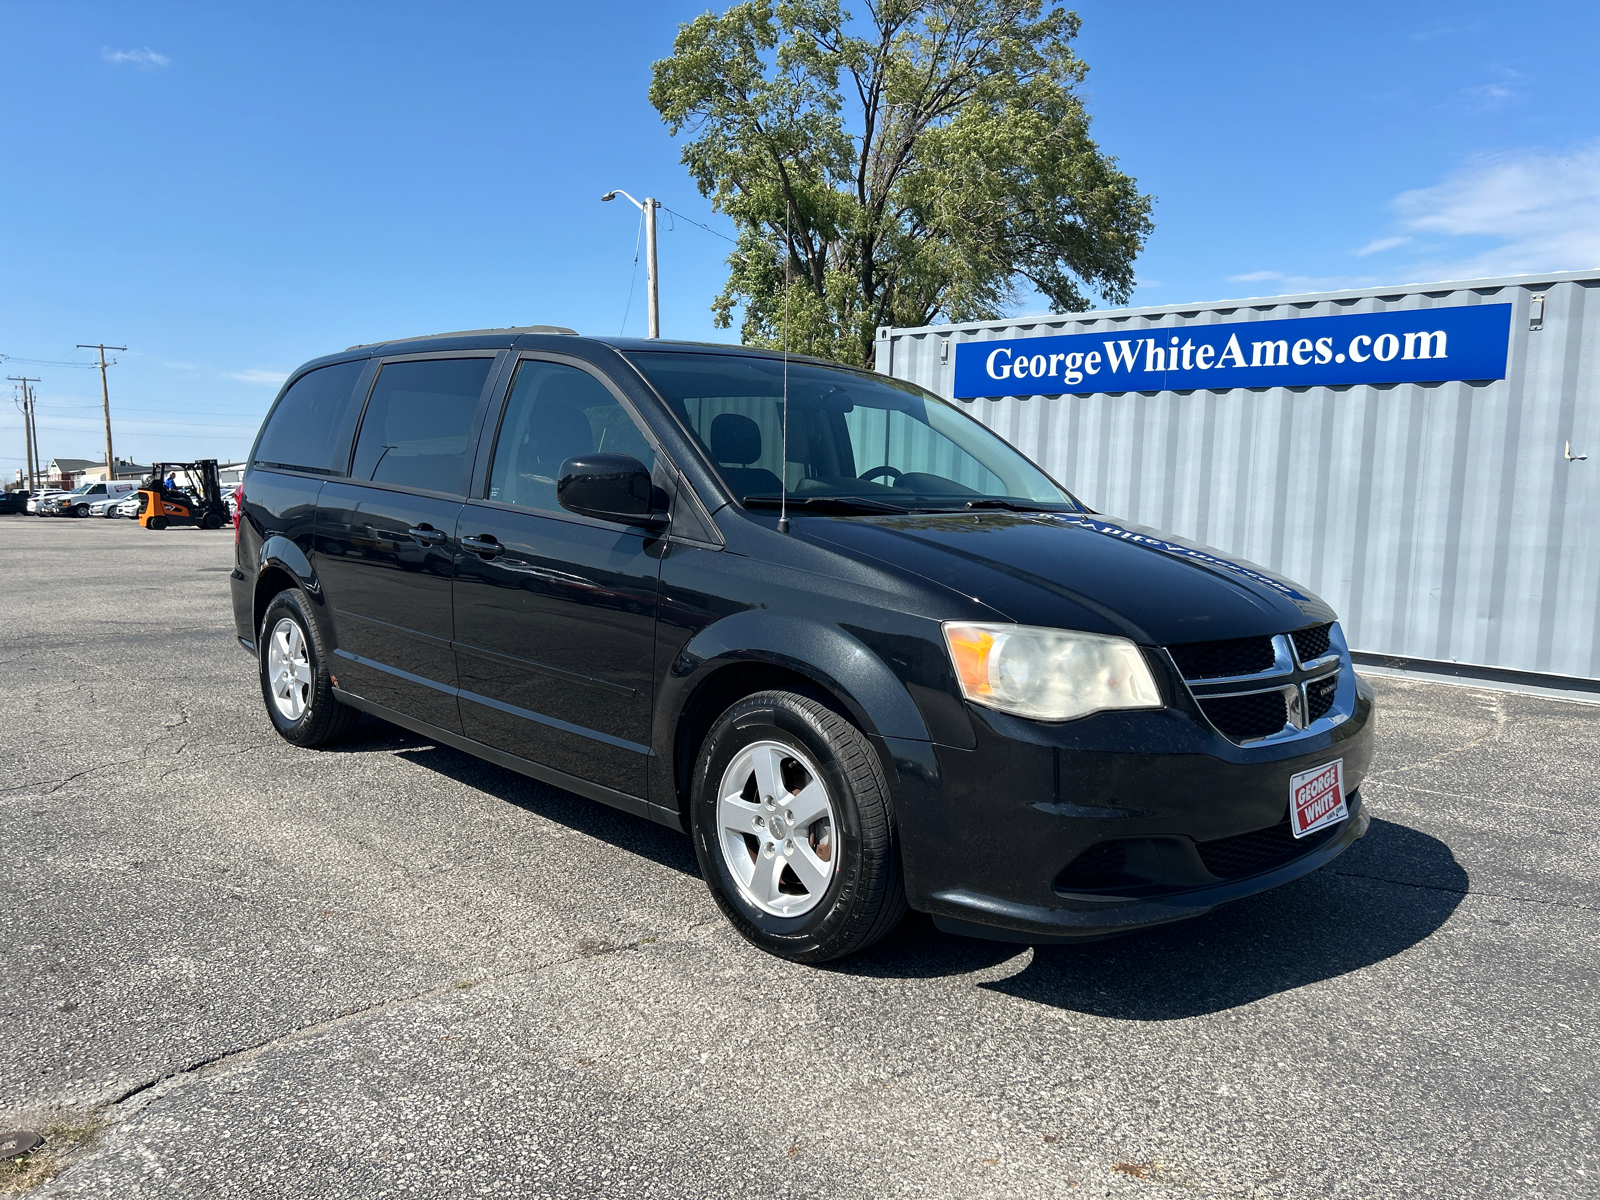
{"x": 88, "y": 470}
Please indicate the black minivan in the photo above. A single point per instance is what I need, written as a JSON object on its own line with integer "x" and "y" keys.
{"x": 858, "y": 647}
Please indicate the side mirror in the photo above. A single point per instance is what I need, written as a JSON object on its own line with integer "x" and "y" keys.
{"x": 613, "y": 487}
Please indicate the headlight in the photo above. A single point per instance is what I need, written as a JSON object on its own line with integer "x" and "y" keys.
{"x": 1048, "y": 674}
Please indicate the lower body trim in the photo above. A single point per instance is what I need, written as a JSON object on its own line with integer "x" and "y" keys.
{"x": 636, "y": 805}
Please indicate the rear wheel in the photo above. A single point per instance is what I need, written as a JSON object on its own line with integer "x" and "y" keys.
{"x": 794, "y": 828}
{"x": 295, "y": 680}
{"x": 157, "y": 523}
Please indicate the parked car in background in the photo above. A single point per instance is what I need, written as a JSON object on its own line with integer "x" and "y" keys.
{"x": 106, "y": 506}
{"x": 78, "y": 501}
{"x": 36, "y": 501}
{"x": 14, "y": 501}
{"x": 128, "y": 507}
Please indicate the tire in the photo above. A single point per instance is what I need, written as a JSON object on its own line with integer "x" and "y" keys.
{"x": 848, "y": 890}
{"x": 305, "y": 711}
{"x": 211, "y": 521}
{"x": 157, "y": 523}
{"x": 80, "y": 510}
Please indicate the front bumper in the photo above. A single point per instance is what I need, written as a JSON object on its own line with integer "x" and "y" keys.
{"x": 992, "y": 836}
{"x": 1008, "y": 921}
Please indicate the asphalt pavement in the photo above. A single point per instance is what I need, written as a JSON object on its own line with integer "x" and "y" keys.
{"x": 238, "y": 968}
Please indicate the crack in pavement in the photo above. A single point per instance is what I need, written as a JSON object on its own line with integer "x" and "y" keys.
{"x": 135, "y": 1100}
{"x": 1479, "y": 799}
{"x": 1494, "y": 733}
{"x": 1435, "y": 887}
{"x": 58, "y": 784}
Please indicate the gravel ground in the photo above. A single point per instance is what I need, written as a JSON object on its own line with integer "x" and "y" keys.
{"x": 390, "y": 969}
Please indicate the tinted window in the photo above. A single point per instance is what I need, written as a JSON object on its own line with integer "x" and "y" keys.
{"x": 417, "y": 429}
{"x": 555, "y": 412}
{"x": 301, "y": 430}
{"x": 850, "y": 434}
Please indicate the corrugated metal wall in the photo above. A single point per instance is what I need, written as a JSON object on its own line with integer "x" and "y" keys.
{"x": 1442, "y": 521}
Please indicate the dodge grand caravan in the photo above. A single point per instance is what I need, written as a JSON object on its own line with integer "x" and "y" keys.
{"x": 860, "y": 649}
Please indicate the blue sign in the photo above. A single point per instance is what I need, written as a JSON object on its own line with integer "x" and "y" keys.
{"x": 1416, "y": 345}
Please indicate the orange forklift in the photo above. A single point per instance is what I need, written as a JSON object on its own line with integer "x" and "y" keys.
{"x": 194, "y": 497}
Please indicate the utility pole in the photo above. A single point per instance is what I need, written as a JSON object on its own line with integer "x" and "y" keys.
{"x": 31, "y": 451}
{"x": 105, "y": 398}
{"x": 648, "y": 208}
{"x": 33, "y": 424}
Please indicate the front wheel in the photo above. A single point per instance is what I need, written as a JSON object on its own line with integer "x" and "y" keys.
{"x": 794, "y": 828}
{"x": 211, "y": 521}
{"x": 80, "y": 510}
{"x": 295, "y": 680}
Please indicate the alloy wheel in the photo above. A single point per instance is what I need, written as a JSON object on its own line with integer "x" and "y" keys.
{"x": 289, "y": 669}
{"x": 776, "y": 828}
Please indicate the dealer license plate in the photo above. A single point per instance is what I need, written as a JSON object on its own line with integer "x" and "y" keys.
{"x": 1316, "y": 799}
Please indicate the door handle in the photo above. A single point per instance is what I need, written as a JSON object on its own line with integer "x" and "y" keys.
{"x": 484, "y": 545}
{"x": 427, "y": 534}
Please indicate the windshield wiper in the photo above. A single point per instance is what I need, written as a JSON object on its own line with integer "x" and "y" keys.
{"x": 826, "y": 504}
{"x": 1012, "y": 505}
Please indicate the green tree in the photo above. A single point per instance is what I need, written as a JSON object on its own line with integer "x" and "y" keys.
{"x": 912, "y": 168}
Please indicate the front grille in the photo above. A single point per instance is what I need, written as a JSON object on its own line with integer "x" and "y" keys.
{"x": 1251, "y": 853}
{"x": 1311, "y": 643}
{"x": 1098, "y": 866}
{"x": 1213, "y": 660}
{"x": 1319, "y": 697}
{"x": 1259, "y": 715}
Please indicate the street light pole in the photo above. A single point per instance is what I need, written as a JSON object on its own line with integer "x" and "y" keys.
{"x": 648, "y": 207}
{"x": 105, "y": 398}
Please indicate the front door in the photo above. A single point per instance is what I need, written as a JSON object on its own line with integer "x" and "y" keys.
{"x": 385, "y": 539}
{"x": 555, "y": 613}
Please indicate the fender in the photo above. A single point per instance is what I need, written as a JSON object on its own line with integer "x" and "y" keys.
{"x": 838, "y": 662}
{"x": 279, "y": 551}
{"x": 842, "y": 664}
{"x": 282, "y": 554}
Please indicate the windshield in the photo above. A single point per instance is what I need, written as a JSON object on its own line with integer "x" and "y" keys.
{"x": 81, "y": 490}
{"x": 852, "y": 434}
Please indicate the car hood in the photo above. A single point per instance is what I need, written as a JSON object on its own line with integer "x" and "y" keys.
{"x": 1081, "y": 571}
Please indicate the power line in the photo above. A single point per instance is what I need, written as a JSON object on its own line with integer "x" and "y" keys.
{"x": 50, "y": 362}
{"x": 702, "y": 225}
{"x": 633, "y": 278}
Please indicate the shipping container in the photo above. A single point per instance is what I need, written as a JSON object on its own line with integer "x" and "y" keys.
{"x": 1430, "y": 472}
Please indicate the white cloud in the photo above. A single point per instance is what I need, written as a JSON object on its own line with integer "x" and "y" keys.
{"x": 1428, "y": 35}
{"x": 1491, "y": 97}
{"x": 1379, "y": 244}
{"x": 146, "y": 59}
{"x": 1289, "y": 285}
{"x": 257, "y": 375}
{"x": 1542, "y": 208}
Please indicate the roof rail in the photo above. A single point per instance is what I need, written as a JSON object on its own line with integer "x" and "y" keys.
{"x": 425, "y": 337}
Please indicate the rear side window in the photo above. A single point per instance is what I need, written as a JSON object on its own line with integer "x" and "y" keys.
{"x": 417, "y": 430}
{"x": 301, "y": 431}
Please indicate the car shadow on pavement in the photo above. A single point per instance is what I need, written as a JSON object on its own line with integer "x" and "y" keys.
{"x": 634, "y": 834}
{"x": 1388, "y": 892}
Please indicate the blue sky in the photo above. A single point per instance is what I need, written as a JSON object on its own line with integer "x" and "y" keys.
{"x": 230, "y": 190}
